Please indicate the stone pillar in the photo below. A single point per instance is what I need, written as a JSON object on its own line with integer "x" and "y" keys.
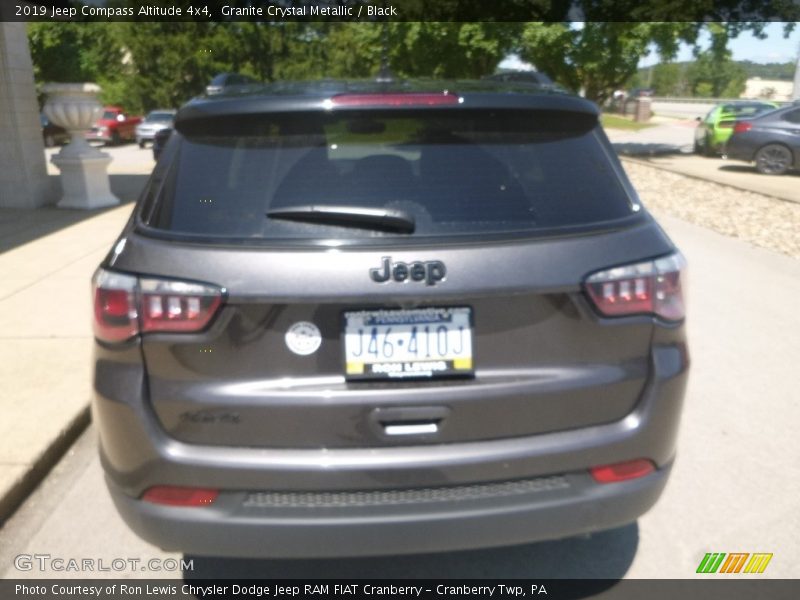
{"x": 23, "y": 172}
{"x": 644, "y": 109}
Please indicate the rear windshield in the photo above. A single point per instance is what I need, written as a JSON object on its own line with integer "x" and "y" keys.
{"x": 743, "y": 110}
{"x": 160, "y": 117}
{"x": 454, "y": 172}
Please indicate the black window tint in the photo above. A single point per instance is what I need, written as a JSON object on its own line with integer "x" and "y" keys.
{"x": 160, "y": 117}
{"x": 466, "y": 173}
{"x": 793, "y": 116}
{"x": 745, "y": 110}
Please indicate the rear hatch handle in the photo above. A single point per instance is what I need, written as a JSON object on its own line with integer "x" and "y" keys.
{"x": 408, "y": 421}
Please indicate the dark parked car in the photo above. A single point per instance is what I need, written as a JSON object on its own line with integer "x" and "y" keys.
{"x": 154, "y": 122}
{"x": 641, "y": 93}
{"x": 380, "y": 318}
{"x": 160, "y": 140}
{"x": 714, "y": 130}
{"x": 228, "y": 82}
{"x": 532, "y": 77}
{"x": 52, "y": 134}
{"x": 771, "y": 140}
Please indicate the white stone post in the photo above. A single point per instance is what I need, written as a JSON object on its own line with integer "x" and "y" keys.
{"x": 84, "y": 177}
{"x": 23, "y": 172}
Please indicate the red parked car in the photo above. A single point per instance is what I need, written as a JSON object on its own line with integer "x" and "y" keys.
{"x": 114, "y": 126}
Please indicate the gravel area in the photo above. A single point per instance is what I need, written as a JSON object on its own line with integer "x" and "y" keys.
{"x": 760, "y": 220}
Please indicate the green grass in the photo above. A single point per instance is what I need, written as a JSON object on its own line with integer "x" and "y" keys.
{"x": 617, "y": 122}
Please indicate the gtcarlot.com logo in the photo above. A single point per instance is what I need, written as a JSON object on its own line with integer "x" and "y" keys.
{"x": 735, "y": 562}
{"x": 46, "y": 562}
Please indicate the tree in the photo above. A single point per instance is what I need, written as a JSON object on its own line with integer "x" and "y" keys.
{"x": 669, "y": 80}
{"x": 72, "y": 52}
{"x": 716, "y": 77}
{"x": 598, "y": 57}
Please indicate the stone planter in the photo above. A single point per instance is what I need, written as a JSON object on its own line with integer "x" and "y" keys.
{"x": 84, "y": 177}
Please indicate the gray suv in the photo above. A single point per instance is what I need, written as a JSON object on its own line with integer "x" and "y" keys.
{"x": 356, "y": 318}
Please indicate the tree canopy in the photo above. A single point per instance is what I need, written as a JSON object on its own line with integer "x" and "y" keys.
{"x": 159, "y": 64}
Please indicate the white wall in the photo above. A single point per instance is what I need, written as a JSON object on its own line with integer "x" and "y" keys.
{"x": 23, "y": 173}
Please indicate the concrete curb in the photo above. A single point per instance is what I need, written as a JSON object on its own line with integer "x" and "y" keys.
{"x": 19, "y": 491}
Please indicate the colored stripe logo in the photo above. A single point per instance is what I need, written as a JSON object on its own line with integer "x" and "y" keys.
{"x": 734, "y": 562}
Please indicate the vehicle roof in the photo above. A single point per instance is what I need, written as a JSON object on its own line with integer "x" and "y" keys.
{"x": 312, "y": 95}
{"x": 739, "y": 103}
{"x": 776, "y": 112}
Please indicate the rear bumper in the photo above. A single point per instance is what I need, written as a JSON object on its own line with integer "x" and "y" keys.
{"x": 136, "y": 454}
{"x": 230, "y": 528}
{"x": 735, "y": 149}
{"x": 97, "y": 137}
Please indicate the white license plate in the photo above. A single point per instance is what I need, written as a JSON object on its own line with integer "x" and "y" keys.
{"x": 424, "y": 342}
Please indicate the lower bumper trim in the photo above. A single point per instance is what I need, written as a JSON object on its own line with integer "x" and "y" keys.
{"x": 233, "y": 528}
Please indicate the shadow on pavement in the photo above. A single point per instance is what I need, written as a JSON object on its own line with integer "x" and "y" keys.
{"x": 19, "y": 226}
{"x": 606, "y": 555}
{"x": 751, "y": 169}
{"x": 644, "y": 149}
{"x": 738, "y": 168}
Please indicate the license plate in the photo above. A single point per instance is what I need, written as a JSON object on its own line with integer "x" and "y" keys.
{"x": 424, "y": 342}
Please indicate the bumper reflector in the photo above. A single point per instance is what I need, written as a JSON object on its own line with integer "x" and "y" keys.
{"x": 623, "y": 471}
{"x": 171, "y": 495}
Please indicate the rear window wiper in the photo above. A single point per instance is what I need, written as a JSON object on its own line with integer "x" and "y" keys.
{"x": 380, "y": 219}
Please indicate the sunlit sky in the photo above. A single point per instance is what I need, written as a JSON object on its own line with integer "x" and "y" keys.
{"x": 775, "y": 48}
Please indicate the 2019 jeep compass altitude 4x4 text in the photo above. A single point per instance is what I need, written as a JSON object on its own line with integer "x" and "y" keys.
{"x": 371, "y": 318}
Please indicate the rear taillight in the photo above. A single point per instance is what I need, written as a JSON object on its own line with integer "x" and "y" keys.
{"x": 115, "y": 314}
{"x": 742, "y": 127}
{"x": 652, "y": 287}
{"x": 398, "y": 99}
{"x": 176, "y": 305}
{"x": 125, "y": 305}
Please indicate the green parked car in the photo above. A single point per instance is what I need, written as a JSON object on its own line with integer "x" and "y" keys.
{"x": 714, "y": 130}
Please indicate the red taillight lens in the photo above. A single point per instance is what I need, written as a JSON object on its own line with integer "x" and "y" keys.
{"x": 652, "y": 287}
{"x": 177, "y": 305}
{"x": 742, "y": 126}
{"x": 622, "y": 471}
{"x": 400, "y": 99}
{"x": 171, "y": 495}
{"x": 115, "y": 314}
{"x": 125, "y": 306}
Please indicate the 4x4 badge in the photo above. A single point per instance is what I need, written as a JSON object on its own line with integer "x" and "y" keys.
{"x": 430, "y": 271}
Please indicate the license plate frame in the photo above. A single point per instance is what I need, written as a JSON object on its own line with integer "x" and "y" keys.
{"x": 377, "y": 343}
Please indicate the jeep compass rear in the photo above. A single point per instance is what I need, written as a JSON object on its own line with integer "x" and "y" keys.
{"x": 357, "y": 318}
